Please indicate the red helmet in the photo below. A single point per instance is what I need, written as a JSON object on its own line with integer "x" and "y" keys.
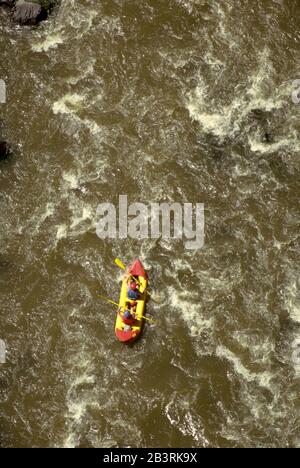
{"x": 133, "y": 285}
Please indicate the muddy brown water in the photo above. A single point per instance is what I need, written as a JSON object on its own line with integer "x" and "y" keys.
{"x": 163, "y": 100}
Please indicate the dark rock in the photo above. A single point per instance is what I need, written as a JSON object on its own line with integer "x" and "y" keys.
{"x": 30, "y": 11}
{"x": 7, "y": 2}
{"x": 4, "y": 150}
{"x": 27, "y": 12}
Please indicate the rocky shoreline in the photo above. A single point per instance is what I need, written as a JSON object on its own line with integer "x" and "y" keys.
{"x": 29, "y": 12}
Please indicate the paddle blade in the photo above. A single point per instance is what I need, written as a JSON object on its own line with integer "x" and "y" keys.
{"x": 120, "y": 264}
{"x": 108, "y": 300}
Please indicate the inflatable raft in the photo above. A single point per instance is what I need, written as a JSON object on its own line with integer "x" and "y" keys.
{"x": 129, "y": 330}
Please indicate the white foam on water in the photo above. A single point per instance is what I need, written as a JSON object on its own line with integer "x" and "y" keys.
{"x": 259, "y": 77}
{"x": 74, "y": 416}
{"x": 83, "y": 21}
{"x": 189, "y": 5}
{"x": 191, "y": 313}
{"x": 178, "y": 59}
{"x": 216, "y": 123}
{"x": 213, "y": 61}
{"x": 77, "y": 409}
{"x": 68, "y": 104}
{"x": 81, "y": 394}
{"x": 53, "y": 36}
{"x": 261, "y": 350}
{"x": 112, "y": 25}
{"x": 62, "y": 232}
{"x": 257, "y": 146}
{"x": 34, "y": 223}
{"x": 292, "y": 299}
{"x": 49, "y": 211}
{"x": 278, "y": 244}
{"x": 179, "y": 415}
{"x": 50, "y": 42}
{"x": 262, "y": 378}
{"x": 227, "y": 120}
{"x": 296, "y": 356}
{"x": 80, "y": 214}
{"x": 224, "y": 32}
{"x": 239, "y": 171}
{"x": 72, "y": 179}
{"x": 88, "y": 70}
{"x": 193, "y": 426}
{"x": 92, "y": 126}
{"x": 83, "y": 379}
{"x": 72, "y": 22}
{"x": 182, "y": 264}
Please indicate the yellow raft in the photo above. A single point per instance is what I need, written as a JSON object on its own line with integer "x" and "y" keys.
{"x": 129, "y": 330}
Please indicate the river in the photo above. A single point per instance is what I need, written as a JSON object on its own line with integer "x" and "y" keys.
{"x": 165, "y": 101}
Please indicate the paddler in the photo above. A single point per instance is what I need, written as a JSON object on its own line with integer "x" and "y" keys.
{"x": 128, "y": 316}
{"x": 132, "y": 289}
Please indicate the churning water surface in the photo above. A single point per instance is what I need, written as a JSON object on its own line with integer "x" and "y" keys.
{"x": 163, "y": 100}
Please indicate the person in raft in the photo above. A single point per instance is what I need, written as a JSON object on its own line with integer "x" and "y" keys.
{"x": 128, "y": 316}
{"x": 132, "y": 290}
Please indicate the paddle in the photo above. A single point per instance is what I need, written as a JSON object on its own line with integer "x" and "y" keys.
{"x": 108, "y": 300}
{"x": 121, "y": 265}
{"x": 115, "y": 303}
